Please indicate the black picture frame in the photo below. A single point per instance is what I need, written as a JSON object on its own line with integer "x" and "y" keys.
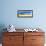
{"x": 25, "y": 13}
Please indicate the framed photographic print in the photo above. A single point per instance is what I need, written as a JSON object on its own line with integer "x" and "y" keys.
{"x": 25, "y": 13}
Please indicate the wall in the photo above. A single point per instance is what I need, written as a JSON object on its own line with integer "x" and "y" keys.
{"x": 9, "y": 13}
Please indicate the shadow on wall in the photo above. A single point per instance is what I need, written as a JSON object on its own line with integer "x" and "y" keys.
{"x": 2, "y": 26}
